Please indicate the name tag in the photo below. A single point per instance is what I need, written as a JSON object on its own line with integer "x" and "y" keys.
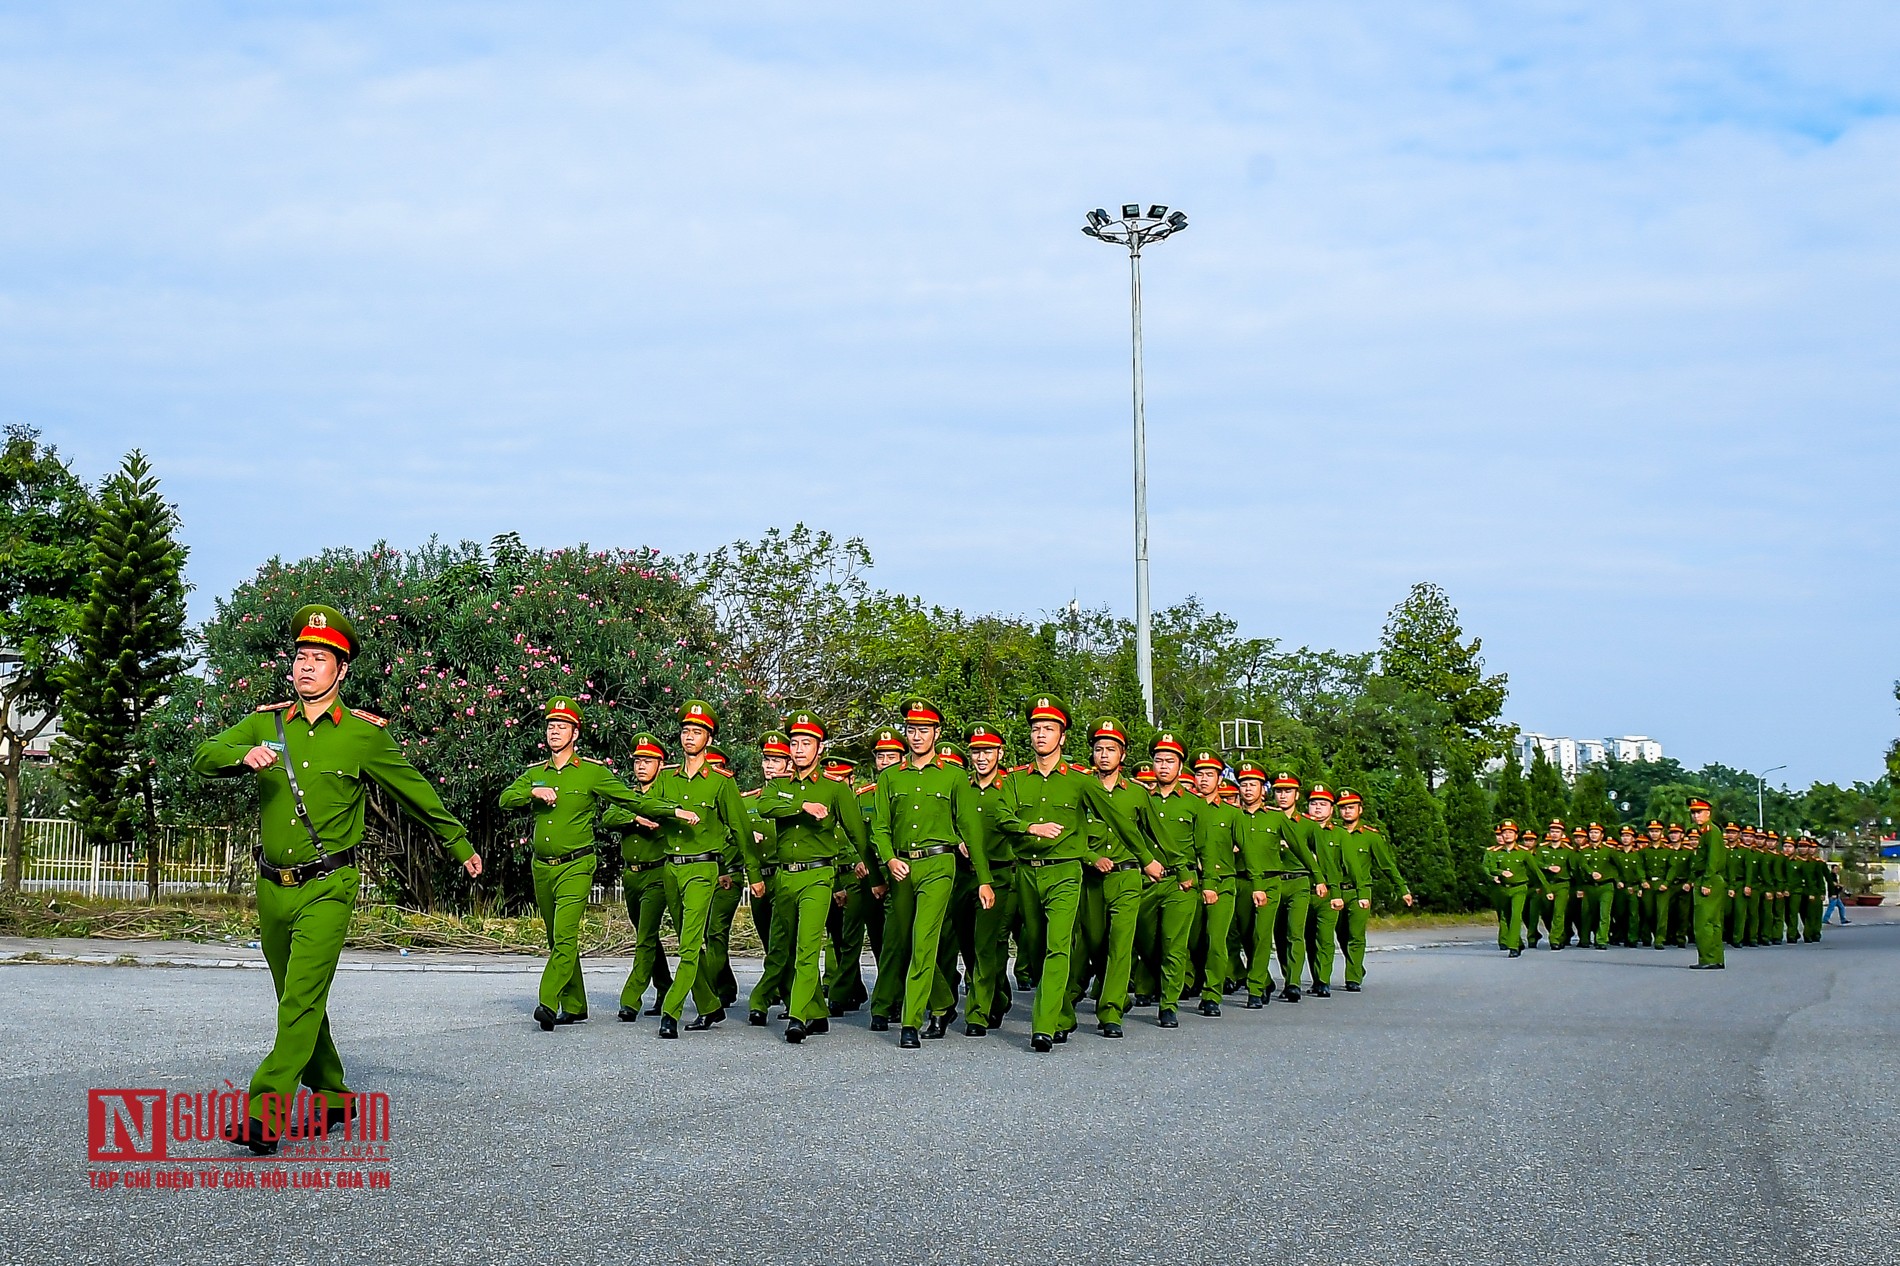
{"x": 274, "y": 745}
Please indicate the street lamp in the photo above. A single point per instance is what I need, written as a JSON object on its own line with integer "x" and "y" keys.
{"x": 1761, "y": 780}
{"x": 1135, "y": 230}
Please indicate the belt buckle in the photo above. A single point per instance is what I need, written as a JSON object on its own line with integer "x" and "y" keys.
{"x": 287, "y": 877}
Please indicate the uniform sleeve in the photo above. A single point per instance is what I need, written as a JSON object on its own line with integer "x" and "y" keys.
{"x": 1388, "y": 862}
{"x": 971, "y": 830}
{"x": 223, "y": 756}
{"x": 1144, "y": 820}
{"x": 520, "y": 792}
{"x": 881, "y": 822}
{"x": 1299, "y": 838}
{"x": 609, "y": 786}
{"x": 384, "y": 762}
{"x": 733, "y": 815}
{"x": 1253, "y": 850}
{"x": 850, "y": 819}
{"x": 1211, "y": 834}
{"x": 1104, "y": 807}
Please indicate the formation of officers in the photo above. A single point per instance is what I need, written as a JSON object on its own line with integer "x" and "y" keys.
{"x": 1135, "y": 888}
{"x": 1729, "y": 888}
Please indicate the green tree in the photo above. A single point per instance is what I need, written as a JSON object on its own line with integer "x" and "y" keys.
{"x": 1468, "y": 827}
{"x": 1424, "y": 647}
{"x": 1669, "y": 802}
{"x": 46, "y": 522}
{"x": 1420, "y": 842}
{"x": 130, "y": 651}
{"x": 1513, "y": 801}
{"x": 1550, "y": 799}
{"x": 1590, "y": 801}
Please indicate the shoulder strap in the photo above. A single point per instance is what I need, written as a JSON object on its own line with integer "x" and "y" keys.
{"x": 296, "y": 792}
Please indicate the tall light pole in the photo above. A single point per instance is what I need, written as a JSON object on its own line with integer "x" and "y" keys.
{"x": 1135, "y": 230}
{"x": 1761, "y": 781}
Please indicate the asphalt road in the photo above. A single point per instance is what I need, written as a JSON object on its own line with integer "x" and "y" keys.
{"x": 1572, "y": 1107}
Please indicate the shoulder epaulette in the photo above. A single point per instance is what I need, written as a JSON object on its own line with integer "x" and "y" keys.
{"x": 752, "y": 794}
{"x": 371, "y": 717}
{"x": 273, "y": 707}
{"x": 869, "y": 786}
{"x": 593, "y": 760}
{"x": 1017, "y": 769}
{"x": 1074, "y": 768}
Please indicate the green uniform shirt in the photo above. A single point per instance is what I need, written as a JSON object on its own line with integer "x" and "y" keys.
{"x": 1270, "y": 847}
{"x": 579, "y": 786}
{"x": 1362, "y": 849}
{"x": 1176, "y": 816}
{"x": 917, "y": 808}
{"x": 1554, "y": 862}
{"x": 1066, "y": 796}
{"x": 332, "y": 756}
{"x": 1502, "y": 858}
{"x": 724, "y": 826}
{"x": 1133, "y": 800}
{"x": 1217, "y": 842}
{"x": 1596, "y": 864}
{"x": 1328, "y": 854}
{"x": 837, "y": 837}
{"x": 997, "y": 845}
{"x": 1711, "y": 858}
{"x": 764, "y": 848}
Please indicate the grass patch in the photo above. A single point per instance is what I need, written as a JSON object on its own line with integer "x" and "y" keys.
{"x": 1425, "y": 920}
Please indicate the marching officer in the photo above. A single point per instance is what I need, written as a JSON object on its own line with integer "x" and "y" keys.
{"x": 312, "y": 760}
{"x": 1299, "y": 890}
{"x": 1361, "y": 848}
{"x": 857, "y": 903}
{"x": 566, "y": 791}
{"x": 1271, "y": 855}
{"x": 1510, "y": 870}
{"x": 1217, "y": 844}
{"x": 1711, "y": 884}
{"x": 643, "y": 884}
{"x": 1166, "y": 928}
{"x": 987, "y": 997}
{"x": 1322, "y": 927}
{"x": 775, "y": 974}
{"x": 1111, "y": 886}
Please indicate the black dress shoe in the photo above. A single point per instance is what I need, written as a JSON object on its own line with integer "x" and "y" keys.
{"x": 629, "y": 1014}
{"x": 1352, "y": 986}
{"x": 1209, "y": 1007}
{"x": 783, "y": 1015}
{"x": 1063, "y": 1037}
{"x": 1041, "y": 1043}
{"x": 937, "y": 1026}
{"x": 669, "y": 1027}
{"x": 795, "y": 1032}
{"x": 838, "y": 1011}
{"x": 755, "y": 1018}
{"x": 1144, "y": 1000}
{"x": 570, "y": 1017}
{"x": 1167, "y": 1020}
{"x": 658, "y": 1008}
{"x": 701, "y": 1023}
{"x": 907, "y": 1040}
{"x": 251, "y": 1133}
{"x": 545, "y": 1018}
{"x": 815, "y": 1027}
{"x": 1255, "y": 1002}
{"x": 1290, "y": 994}
{"x": 1108, "y": 1028}
{"x": 880, "y": 1023}
{"x": 1320, "y": 991}
{"x": 1517, "y": 953}
{"x": 976, "y": 1030}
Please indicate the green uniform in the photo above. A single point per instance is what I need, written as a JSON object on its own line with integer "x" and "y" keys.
{"x": 1272, "y": 857}
{"x": 643, "y": 884}
{"x": 1362, "y": 851}
{"x": 1322, "y": 924}
{"x": 768, "y": 914}
{"x": 1595, "y": 873}
{"x": 729, "y": 892}
{"x": 1296, "y": 901}
{"x": 1711, "y": 865}
{"x": 1658, "y": 863}
{"x": 1510, "y": 869}
{"x": 1110, "y": 914}
{"x": 565, "y": 858}
{"x": 920, "y": 815}
{"x": 1218, "y": 844}
{"x": 302, "y": 927}
{"x": 809, "y": 850}
{"x": 696, "y": 857}
{"x": 855, "y": 912}
{"x": 987, "y": 998}
{"x": 1554, "y": 859}
{"x": 1049, "y": 872}
{"x": 1165, "y": 927}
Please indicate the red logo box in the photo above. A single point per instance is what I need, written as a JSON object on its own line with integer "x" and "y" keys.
{"x": 126, "y": 1126}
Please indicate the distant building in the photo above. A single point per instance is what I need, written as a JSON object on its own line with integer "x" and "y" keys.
{"x": 19, "y": 719}
{"x": 1572, "y": 755}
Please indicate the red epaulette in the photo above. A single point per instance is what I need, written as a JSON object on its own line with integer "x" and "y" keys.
{"x": 869, "y": 786}
{"x": 371, "y": 717}
{"x": 593, "y": 760}
{"x": 752, "y": 793}
{"x": 274, "y": 707}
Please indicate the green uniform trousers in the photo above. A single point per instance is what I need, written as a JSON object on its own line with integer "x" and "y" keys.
{"x": 1708, "y": 924}
{"x": 800, "y": 908}
{"x": 1682, "y": 916}
{"x": 958, "y": 939}
{"x": 689, "y": 899}
{"x": 987, "y": 998}
{"x": 1511, "y": 915}
{"x": 302, "y": 931}
{"x": 645, "y": 892}
{"x": 847, "y": 924}
{"x": 1598, "y": 907}
{"x": 1811, "y": 907}
{"x": 1050, "y": 897}
{"x": 561, "y": 892}
{"x": 1218, "y": 921}
{"x": 913, "y": 924}
{"x": 1289, "y": 929}
{"x": 1351, "y": 930}
{"x": 715, "y": 967}
{"x": 1162, "y": 932}
{"x": 1556, "y": 914}
{"x": 1105, "y": 934}
{"x": 1262, "y": 919}
{"x": 775, "y": 977}
{"x": 1322, "y": 933}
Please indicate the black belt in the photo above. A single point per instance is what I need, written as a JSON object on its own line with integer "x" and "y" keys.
{"x": 1127, "y": 865}
{"x": 689, "y": 858}
{"x": 634, "y": 868}
{"x": 793, "y": 868}
{"x": 292, "y": 876}
{"x": 918, "y": 854}
{"x": 1037, "y": 863}
{"x": 566, "y": 857}
{"x": 997, "y": 868}
{"x": 766, "y": 871}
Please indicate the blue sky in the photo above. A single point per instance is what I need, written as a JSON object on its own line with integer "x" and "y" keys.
{"x": 1586, "y": 312}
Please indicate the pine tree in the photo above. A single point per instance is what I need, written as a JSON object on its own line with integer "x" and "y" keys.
{"x": 1514, "y": 795}
{"x": 1419, "y": 839}
{"x": 1468, "y": 825}
{"x": 1590, "y": 801}
{"x": 1550, "y": 799}
{"x": 131, "y": 640}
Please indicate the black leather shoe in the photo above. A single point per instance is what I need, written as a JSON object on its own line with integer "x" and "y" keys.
{"x": 1144, "y": 1000}
{"x": 755, "y": 1018}
{"x": 669, "y": 1027}
{"x": 701, "y": 1023}
{"x": 1290, "y": 994}
{"x": 783, "y": 1016}
{"x": 813, "y": 1028}
{"x": 1352, "y": 986}
{"x": 629, "y": 1014}
{"x": 657, "y": 1008}
{"x": 1063, "y": 1037}
{"x": 880, "y": 1024}
{"x": 1041, "y": 1043}
{"x": 1231, "y": 986}
{"x": 250, "y": 1133}
{"x": 1209, "y": 1007}
{"x": 976, "y": 1030}
{"x": 907, "y": 1040}
{"x": 545, "y": 1018}
{"x": 1108, "y": 1028}
{"x": 838, "y": 1011}
{"x": 1255, "y": 1002}
{"x": 570, "y": 1017}
{"x": 795, "y": 1032}
{"x": 1320, "y": 991}
{"x": 1167, "y": 1020}
{"x": 935, "y": 1029}
{"x": 1517, "y": 953}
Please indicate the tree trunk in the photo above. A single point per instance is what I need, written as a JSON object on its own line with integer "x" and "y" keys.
{"x": 16, "y": 829}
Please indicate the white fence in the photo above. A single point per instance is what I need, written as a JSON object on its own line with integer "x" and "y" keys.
{"x": 57, "y": 858}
